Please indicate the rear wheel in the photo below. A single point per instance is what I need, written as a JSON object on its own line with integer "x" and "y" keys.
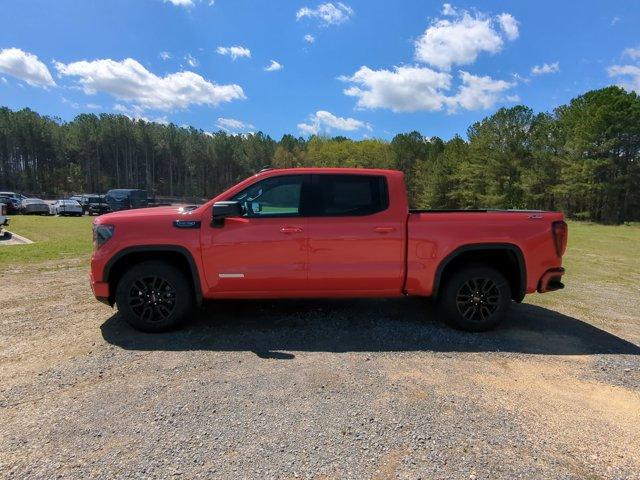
{"x": 475, "y": 298}
{"x": 155, "y": 296}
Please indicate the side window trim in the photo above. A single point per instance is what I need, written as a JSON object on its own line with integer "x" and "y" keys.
{"x": 318, "y": 202}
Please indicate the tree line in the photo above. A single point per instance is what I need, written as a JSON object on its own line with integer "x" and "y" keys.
{"x": 582, "y": 158}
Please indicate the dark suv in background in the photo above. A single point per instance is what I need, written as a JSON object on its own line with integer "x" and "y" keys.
{"x": 126, "y": 198}
{"x": 96, "y": 205}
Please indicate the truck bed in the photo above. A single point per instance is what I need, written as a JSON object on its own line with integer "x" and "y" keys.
{"x": 433, "y": 236}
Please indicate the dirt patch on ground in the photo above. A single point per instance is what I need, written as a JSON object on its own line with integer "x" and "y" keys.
{"x": 313, "y": 389}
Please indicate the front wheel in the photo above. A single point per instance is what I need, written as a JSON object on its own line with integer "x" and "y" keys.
{"x": 475, "y": 298}
{"x": 155, "y": 296}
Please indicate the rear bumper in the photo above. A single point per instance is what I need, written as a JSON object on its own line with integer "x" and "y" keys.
{"x": 551, "y": 280}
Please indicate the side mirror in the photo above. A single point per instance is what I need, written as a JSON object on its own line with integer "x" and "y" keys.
{"x": 222, "y": 210}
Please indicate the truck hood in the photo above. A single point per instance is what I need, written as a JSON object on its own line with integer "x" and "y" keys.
{"x": 150, "y": 212}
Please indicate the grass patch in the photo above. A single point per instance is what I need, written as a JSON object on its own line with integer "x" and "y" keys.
{"x": 55, "y": 238}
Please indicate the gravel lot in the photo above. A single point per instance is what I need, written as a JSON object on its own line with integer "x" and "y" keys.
{"x": 312, "y": 389}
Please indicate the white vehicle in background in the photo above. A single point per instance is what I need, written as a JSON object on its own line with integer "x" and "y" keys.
{"x": 66, "y": 207}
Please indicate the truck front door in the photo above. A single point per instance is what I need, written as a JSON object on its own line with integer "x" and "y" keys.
{"x": 264, "y": 252}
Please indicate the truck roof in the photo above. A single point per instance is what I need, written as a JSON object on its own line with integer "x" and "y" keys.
{"x": 338, "y": 170}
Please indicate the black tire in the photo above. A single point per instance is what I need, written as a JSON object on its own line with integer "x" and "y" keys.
{"x": 475, "y": 298}
{"x": 155, "y": 296}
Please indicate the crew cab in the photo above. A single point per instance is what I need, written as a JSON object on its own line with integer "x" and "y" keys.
{"x": 316, "y": 232}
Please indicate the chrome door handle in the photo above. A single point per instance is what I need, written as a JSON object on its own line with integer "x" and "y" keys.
{"x": 291, "y": 230}
{"x": 384, "y": 229}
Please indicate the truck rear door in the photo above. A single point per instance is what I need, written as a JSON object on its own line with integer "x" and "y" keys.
{"x": 355, "y": 236}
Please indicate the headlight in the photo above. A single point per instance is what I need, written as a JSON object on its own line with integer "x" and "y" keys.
{"x": 101, "y": 234}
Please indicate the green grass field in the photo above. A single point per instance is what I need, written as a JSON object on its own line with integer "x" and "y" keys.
{"x": 54, "y": 238}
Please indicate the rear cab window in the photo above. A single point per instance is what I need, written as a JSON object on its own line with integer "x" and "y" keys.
{"x": 349, "y": 194}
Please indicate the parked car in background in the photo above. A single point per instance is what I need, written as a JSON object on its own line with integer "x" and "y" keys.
{"x": 16, "y": 199}
{"x": 34, "y": 206}
{"x": 77, "y": 198}
{"x": 9, "y": 203}
{"x": 97, "y": 205}
{"x": 126, "y": 198}
{"x": 4, "y": 221}
{"x": 86, "y": 199}
{"x": 67, "y": 207}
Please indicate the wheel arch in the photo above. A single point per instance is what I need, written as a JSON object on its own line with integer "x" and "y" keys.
{"x": 505, "y": 257}
{"x": 174, "y": 254}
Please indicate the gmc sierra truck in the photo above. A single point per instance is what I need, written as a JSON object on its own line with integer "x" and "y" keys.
{"x": 321, "y": 233}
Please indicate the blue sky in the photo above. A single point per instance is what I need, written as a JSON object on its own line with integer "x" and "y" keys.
{"x": 355, "y": 68}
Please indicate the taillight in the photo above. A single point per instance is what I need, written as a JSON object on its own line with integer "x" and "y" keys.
{"x": 4, "y": 209}
{"x": 560, "y": 236}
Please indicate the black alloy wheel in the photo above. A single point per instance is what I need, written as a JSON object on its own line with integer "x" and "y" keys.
{"x": 478, "y": 299}
{"x": 475, "y": 298}
{"x": 155, "y": 296}
{"x": 152, "y": 298}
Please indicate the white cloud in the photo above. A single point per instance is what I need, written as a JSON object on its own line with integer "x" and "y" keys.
{"x": 94, "y": 106}
{"x": 477, "y": 93}
{"x": 165, "y": 56}
{"x": 129, "y": 81}
{"x": 448, "y": 10}
{"x": 411, "y": 89}
{"x": 628, "y": 76}
{"x": 187, "y": 3}
{"x": 631, "y": 52}
{"x": 309, "y": 38}
{"x": 192, "y": 61}
{"x": 234, "y": 52}
{"x": 180, "y": 3}
{"x": 519, "y": 78}
{"x": 327, "y": 13}
{"x": 273, "y": 66}
{"x": 233, "y": 125}
{"x": 120, "y": 108}
{"x": 459, "y": 40}
{"x": 405, "y": 89}
{"x": 74, "y": 105}
{"x": 4, "y": 80}
{"x": 545, "y": 68}
{"x": 25, "y": 66}
{"x": 509, "y": 25}
{"x": 136, "y": 113}
{"x": 323, "y": 121}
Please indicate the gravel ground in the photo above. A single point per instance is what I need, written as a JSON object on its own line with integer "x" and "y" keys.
{"x": 310, "y": 389}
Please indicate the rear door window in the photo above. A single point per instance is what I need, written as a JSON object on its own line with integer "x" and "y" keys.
{"x": 350, "y": 195}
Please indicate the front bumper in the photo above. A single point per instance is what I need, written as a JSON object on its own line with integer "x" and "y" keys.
{"x": 100, "y": 290}
{"x": 551, "y": 280}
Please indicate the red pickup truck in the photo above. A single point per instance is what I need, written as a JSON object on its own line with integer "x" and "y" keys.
{"x": 316, "y": 232}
